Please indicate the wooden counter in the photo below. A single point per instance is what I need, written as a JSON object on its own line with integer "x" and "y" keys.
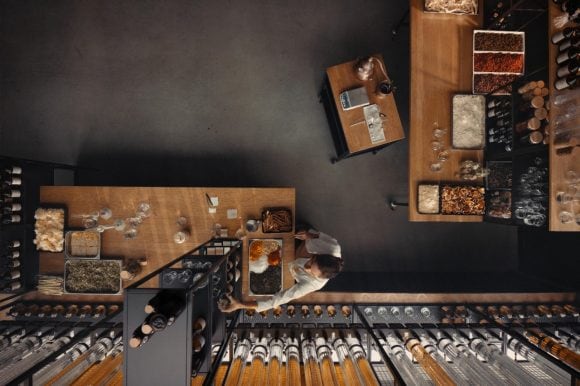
{"x": 559, "y": 164}
{"x": 155, "y": 234}
{"x": 441, "y": 66}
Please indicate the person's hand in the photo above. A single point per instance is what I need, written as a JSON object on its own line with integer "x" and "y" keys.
{"x": 305, "y": 235}
{"x": 233, "y": 305}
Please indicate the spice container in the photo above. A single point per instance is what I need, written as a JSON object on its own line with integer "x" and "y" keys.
{"x": 498, "y": 60}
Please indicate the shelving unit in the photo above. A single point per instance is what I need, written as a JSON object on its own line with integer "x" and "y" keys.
{"x": 34, "y": 175}
{"x": 559, "y": 164}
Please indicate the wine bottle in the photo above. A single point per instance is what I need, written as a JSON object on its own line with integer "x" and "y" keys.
{"x": 12, "y": 286}
{"x": 198, "y": 342}
{"x": 199, "y": 324}
{"x": 13, "y": 274}
{"x": 291, "y": 310}
{"x": 540, "y": 113}
{"x": 44, "y": 311}
{"x": 564, "y": 34}
{"x": 530, "y": 124}
{"x": 305, "y": 311}
{"x": 57, "y": 311}
{"x": 569, "y": 68}
{"x": 99, "y": 311}
{"x": 527, "y": 87}
{"x": 154, "y": 322}
{"x": 13, "y": 244}
{"x": 32, "y": 310}
{"x": 498, "y": 113}
{"x": 317, "y": 309}
{"x": 85, "y": 310}
{"x": 499, "y": 103}
{"x": 535, "y": 103}
{"x": 71, "y": 311}
{"x": 573, "y": 41}
{"x": 11, "y": 181}
{"x": 570, "y": 53}
{"x": 568, "y": 82}
{"x": 17, "y": 310}
{"x": 138, "y": 339}
{"x": 13, "y": 170}
{"x": 8, "y": 219}
{"x": 533, "y": 138}
{"x": 12, "y": 193}
{"x": 11, "y": 208}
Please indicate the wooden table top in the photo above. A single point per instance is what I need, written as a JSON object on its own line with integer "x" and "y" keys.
{"x": 441, "y": 66}
{"x": 341, "y": 78}
{"x": 559, "y": 164}
{"x": 155, "y": 234}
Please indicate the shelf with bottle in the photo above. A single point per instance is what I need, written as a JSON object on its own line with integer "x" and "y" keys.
{"x": 11, "y": 197}
{"x": 62, "y": 311}
{"x": 11, "y": 269}
{"x": 530, "y": 313}
{"x": 564, "y": 38}
{"x": 511, "y": 15}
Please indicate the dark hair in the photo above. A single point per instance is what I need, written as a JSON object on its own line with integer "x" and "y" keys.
{"x": 329, "y": 265}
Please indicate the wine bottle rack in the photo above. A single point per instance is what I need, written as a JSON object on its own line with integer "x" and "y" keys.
{"x": 90, "y": 317}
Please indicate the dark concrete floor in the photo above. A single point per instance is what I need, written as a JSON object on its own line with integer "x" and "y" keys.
{"x": 225, "y": 93}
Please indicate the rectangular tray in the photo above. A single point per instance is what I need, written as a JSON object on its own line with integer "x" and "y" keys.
{"x": 288, "y": 228}
{"x": 67, "y": 245}
{"x": 466, "y": 129}
{"x": 470, "y": 187}
{"x": 68, "y": 263}
{"x": 254, "y": 276}
{"x": 65, "y": 218}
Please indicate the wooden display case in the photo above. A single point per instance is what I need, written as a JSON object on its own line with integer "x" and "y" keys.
{"x": 559, "y": 164}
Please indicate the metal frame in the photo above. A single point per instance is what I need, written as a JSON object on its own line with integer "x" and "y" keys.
{"x": 28, "y": 374}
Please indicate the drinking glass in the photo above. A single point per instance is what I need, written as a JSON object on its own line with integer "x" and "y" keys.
{"x": 443, "y": 155}
{"x": 90, "y": 222}
{"x": 119, "y": 225}
{"x": 135, "y": 221}
{"x": 435, "y": 166}
{"x": 536, "y": 220}
{"x": 185, "y": 276}
{"x": 438, "y": 132}
{"x": 436, "y": 145}
{"x": 130, "y": 233}
{"x": 169, "y": 277}
{"x": 105, "y": 213}
{"x": 143, "y": 210}
{"x": 566, "y": 217}
{"x": 180, "y": 237}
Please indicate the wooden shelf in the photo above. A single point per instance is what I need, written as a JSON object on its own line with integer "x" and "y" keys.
{"x": 441, "y": 66}
{"x": 559, "y": 164}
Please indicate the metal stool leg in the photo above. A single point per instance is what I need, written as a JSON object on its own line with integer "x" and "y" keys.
{"x": 403, "y": 21}
{"x": 394, "y": 204}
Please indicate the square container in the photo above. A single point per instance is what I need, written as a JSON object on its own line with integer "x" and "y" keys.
{"x": 277, "y": 220}
{"x": 81, "y": 244}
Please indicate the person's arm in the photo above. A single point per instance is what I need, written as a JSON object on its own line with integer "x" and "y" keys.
{"x": 296, "y": 291}
{"x": 282, "y": 297}
{"x": 236, "y": 304}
